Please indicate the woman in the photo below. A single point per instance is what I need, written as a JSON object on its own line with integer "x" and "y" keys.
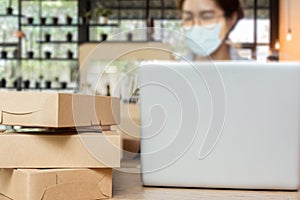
{"x": 207, "y": 24}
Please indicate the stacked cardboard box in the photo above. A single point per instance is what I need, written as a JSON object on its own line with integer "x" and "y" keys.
{"x": 60, "y": 163}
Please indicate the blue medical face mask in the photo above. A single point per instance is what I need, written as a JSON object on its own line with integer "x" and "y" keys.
{"x": 203, "y": 40}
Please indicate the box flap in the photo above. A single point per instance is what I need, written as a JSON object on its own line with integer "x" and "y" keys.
{"x": 17, "y": 105}
{"x": 74, "y": 191}
{"x": 2, "y": 113}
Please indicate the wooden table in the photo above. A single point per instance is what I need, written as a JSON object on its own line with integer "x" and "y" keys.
{"x": 129, "y": 186}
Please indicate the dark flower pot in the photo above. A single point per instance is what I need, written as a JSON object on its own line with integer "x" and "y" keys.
{"x": 69, "y": 37}
{"x": 26, "y": 84}
{"x": 103, "y": 37}
{"x": 18, "y": 84}
{"x": 47, "y": 84}
{"x": 54, "y": 20}
{"x": 3, "y": 83}
{"x": 37, "y": 85}
{"x": 9, "y": 10}
{"x": 30, "y": 54}
{"x": 30, "y": 20}
{"x": 69, "y": 20}
{"x": 3, "y": 54}
{"x": 63, "y": 85}
{"x": 43, "y": 20}
{"x": 48, "y": 54}
{"x": 47, "y": 37}
{"x": 70, "y": 54}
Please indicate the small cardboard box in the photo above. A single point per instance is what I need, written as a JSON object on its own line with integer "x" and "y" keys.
{"x": 57, "y": 110}
{"x": 50, "y": 184}
{"x": 85, "y": 150}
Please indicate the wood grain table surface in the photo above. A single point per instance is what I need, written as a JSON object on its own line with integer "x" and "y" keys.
{"x": 129, "y": 186}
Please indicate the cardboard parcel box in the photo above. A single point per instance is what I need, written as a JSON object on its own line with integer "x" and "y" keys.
{"x": 85, "y": 150}
{"x": 57, "y": 110}
{"x": 51, "y": 184}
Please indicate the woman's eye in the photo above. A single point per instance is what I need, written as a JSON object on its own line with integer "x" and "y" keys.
{"x": 188, "y": 18}
{"x": 207, "y": 16}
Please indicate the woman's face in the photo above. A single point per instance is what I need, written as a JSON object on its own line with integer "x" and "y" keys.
{"x": 206, "y": 12}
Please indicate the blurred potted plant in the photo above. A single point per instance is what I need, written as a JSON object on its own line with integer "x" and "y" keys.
{"x": 47, "y": 37}
{"x": 48, "y": 77}
{"x": 69, "y": 19}
{"x": 102, "y": 13}
{"x": 30, "y": 20}
{"x": 29, "y": 51}
{"x": 54, "y": 20}
{"x": 70, "y": 54}
{"x": 48, "y": 54}
{"x": 3, "y": 83}
{"x": 9, "y": 9}
{"x": 43, "y": 20}
{"x": 39, "y": 84}
{"x": 69, "y": 36}
{"x": 103, "y": 36}
{"x": 3, "y": 52}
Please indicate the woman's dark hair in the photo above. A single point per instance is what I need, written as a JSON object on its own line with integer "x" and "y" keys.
{"x": 228, "y": 6}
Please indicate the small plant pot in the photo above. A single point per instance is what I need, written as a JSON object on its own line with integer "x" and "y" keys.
{"x": 26, "y": 84}
{"x": 3, "y": 83}
{"x": 69, "y": 37}
{"x": 9, "y": 10}
{"x": 30, "y": 54}
{"x": 47, "y": 84}
{"x": 70, "y": 54}
{"x": 63, "y": 85}
{"x": 103, "y": 37}
{"x": 37, "y": 85}
{"x": 43, "y": 20}
{"x": 47, "y": 37}
{"x": 54, "y": 20}
{"x": 69, "y": 20}
{"x": 18, "y": 84}
{"x": 47, "y": 54}
{"x": 4, "y": 54}
{"x": 30, "y": 20}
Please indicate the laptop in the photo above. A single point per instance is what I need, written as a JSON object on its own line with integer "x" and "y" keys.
{"x": 220, "y": 124}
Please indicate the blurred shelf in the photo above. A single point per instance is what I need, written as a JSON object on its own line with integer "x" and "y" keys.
{"x": 58, "y": 42}
{"x": 13, "y": 15}
{"x": 9, "y": 44}
{"x": 69, "y": 25}
{"x": 41, "y": 59}
{"x": 51, "y": 0}
{"x": 102, "y": 25}
{"x": 133, "y": 41}
{"x": 51, "y": 25}
{"x": 141, "y": 7}
{"x": 14, "y": 88}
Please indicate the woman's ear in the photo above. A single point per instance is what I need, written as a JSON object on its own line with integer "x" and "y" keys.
{"x": 231, "y": 21}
